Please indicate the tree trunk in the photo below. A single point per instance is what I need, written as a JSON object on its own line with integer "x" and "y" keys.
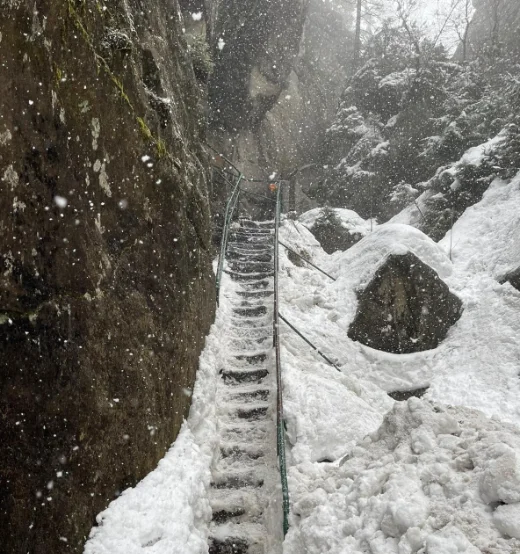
{"x": 357, "y": 36}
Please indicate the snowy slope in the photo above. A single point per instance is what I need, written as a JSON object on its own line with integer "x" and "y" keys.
{"x": 432, "y": 478}
{"x": 481, "y": 368}
{"x": 465, "y": 366}
{"x": 367, "y": 474}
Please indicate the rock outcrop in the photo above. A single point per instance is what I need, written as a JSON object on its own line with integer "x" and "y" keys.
{"x": 279, "y": 70}
{"x": 106, "y": 287}
{"x": 513, "y": 278}
{"x": 335, "y": 229}
{"x": 493, "y": 30}
{"x": 405, "y": 308}
{"x": 333, "y": 236}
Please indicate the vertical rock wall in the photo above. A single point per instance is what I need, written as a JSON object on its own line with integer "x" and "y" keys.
{"x": 256, "y": 44}
{"x": 106, "y": 289}
{"x": 280, "y": 67}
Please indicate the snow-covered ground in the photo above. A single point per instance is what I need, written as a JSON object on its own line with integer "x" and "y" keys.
{"x": 438, "y": 475}
{"x": 434, "y": 480}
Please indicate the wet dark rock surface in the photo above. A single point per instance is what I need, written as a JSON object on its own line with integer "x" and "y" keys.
{"x": 106, "y": 289}
{"x": 332, "y": 234}
{"x": 252, "y": 65}
{"x": 513, "y": 278}
{"x": 403, "y": 395}
{"x": 405, "y": 308}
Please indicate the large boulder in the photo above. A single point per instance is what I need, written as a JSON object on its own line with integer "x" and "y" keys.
{"x": 336, "y": 228}
{"x": 405, "y": 308}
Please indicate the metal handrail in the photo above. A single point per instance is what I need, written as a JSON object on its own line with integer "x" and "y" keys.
{"x": 303, "y": 337}
{"x": 280, "y": 425}
{"x": 228, "y": 216}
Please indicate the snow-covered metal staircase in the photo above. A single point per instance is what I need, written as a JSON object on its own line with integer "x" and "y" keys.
{"x": 244, "y": 472}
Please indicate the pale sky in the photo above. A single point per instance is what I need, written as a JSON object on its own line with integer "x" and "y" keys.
{"x": 432, "y": 14}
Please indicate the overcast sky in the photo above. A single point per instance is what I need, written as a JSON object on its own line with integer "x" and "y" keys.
{"x": 431, "y": 14}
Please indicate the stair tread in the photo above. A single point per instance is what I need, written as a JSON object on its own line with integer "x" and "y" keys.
{"x": 254, "y": 531}
{"x": 248, "y": 397}
{"x": 242, "y": 369}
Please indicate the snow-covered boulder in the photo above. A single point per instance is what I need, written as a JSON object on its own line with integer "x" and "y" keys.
{"x": 405, "y": 308}
{"x": 336, "y": 228}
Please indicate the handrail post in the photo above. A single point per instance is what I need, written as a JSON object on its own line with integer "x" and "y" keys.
{"x": 228, "y": 216}
{"x": 280, "y": 431}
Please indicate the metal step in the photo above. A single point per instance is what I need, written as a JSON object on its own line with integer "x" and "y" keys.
{"x": 241, "y": 376}
{"x": 251, "y": 243}
{"x": 236, "y": 432}
{"x": 252, "y": 323}
{"x": 254, "y": 293}
{"x": 256, "y": 225}
{"x": 253, "y": 413}
{"x": 229, "y": 545}
{"x": 253, "y": 276}
{"x": 244, "y": 257}
{"x": 253, "y": 358}
{"x": 256, "y": 286}
{"x": 241, "y": 538}
{"x": 255, "y": 395}
{"x": 250, "y": 266}
{"x": 244, "y": 345}
{"x": 240, "y": 452}
{"x": 251, "y": 250}
{"x": 238, "y": 481}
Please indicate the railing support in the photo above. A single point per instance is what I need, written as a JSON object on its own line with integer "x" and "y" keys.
{"x": 230, "y": 209}
{"x": 303, "y": 337}
{"x": 280, "y": 426}
{"x": 307, "y": 261}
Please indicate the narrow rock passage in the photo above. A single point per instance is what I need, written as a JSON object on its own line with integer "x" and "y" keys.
{"x": 244, "y": 472}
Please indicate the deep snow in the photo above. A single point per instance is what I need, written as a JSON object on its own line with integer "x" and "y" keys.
{"x": 433, "y": 478}
{"x": 367, "y": 474}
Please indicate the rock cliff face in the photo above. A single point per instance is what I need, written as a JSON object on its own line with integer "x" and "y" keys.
{"x": 256, "y": 42}
{"x": 106, "y": 288}
{"x": 494, "y": 29}
{"x": 279, "y": 70}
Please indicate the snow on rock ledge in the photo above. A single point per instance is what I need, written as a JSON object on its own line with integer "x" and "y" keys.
{"x": 367, "y": 255}
{"x": 356, "y": 267}
{"x": 336, "y": 228}
{"x": 428, "y": 480}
